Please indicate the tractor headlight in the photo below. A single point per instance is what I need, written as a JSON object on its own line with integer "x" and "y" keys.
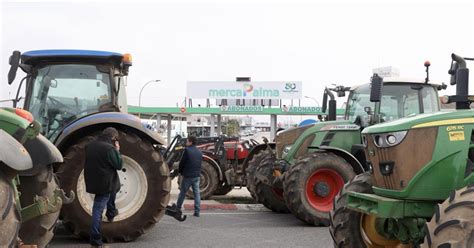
{"x": 286, "y": 150}
{"x": 389, "y": 139}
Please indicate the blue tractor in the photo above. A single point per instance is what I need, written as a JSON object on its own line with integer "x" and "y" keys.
{"x": 74, "y": 95}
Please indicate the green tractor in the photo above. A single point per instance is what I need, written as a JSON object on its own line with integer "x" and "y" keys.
{"x": 74, "y": 95}
{"x": 32, "y": 190}
{"x": 13, "y": 158}
{"x": 416, "y": 163}
{"x": 313, "y": 162}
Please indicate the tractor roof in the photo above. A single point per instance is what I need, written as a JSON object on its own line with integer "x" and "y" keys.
{"x": 56, "y": 55}
{"x": 398, "y": 80}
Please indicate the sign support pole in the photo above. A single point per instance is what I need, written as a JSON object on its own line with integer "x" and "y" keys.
{"x": 213, "y": 130}
{"x": 273, "y": 127}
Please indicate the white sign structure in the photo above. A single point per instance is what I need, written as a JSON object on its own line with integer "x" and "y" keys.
{"x": 244, "y": 90}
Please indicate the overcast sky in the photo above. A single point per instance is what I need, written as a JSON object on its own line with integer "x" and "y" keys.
{"x": 316, "y": 43}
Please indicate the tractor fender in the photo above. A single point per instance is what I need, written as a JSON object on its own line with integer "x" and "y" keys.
{"x": 42, "y": 153}
{"x": 255, "y": 150}
{"x": 215, "y": 164}
{"x": 90, "y": 123}
{"x": 356, "y": 165}
{"x": 13, "y": 154}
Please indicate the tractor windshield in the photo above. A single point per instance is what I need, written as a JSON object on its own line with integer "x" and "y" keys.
{"x": 398, "y": 101}
{"x": 61, "y": 93}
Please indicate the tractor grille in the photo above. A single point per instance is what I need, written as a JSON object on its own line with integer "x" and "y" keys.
{"x": 394, "y": 167}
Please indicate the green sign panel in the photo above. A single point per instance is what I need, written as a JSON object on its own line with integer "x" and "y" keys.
{"x": 230, "y": 110}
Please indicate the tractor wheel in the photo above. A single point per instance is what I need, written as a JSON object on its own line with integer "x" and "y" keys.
{"x": 141, "y": 201}
{"x": 351, "y": 229}
{"x": 270, "y": 197}
{"x": 223, "y": 189}
{"x": 311, "y": 185}
{"x": 251, "y": 169}
{"x": 453, "y": 222}
{"x": 10, "y": 217}
{"x": 38, "y": 231}
{"x": 207, "y": 183}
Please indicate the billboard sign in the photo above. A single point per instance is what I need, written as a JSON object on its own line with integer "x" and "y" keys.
{"x": 244, "y": 90}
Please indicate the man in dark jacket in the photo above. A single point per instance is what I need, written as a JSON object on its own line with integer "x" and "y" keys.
{"x": 190, "y": 169}
{"x": 101, "y": 177}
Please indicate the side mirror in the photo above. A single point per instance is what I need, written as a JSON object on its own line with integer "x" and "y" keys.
{"x": 14, "y": 62}
{"x": 452, "y": 72}
{"x": 376, "y": 88}
{"x": 325, "y": 101}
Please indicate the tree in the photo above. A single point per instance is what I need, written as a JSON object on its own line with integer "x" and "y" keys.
{"x": 232, "y": 128}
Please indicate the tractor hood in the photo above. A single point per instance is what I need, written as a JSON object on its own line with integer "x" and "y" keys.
{"x": 290, "y": 136}
{"x": 424, "y": 120}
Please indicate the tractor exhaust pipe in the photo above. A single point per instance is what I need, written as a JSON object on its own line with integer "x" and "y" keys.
{"x": 461, "y": 79}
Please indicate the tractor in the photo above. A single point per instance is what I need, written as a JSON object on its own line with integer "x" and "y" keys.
{"x": 74, "y": 95}
{"x": 418, "y": 190}
{"x": 222, "y": 166}
{"x": 33, "y": 189}
{"x": 313, "y": 162}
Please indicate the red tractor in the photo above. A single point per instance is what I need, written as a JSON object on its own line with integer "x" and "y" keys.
{"x": 223, "y": 162}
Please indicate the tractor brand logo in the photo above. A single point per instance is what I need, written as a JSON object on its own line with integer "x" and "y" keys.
{"x": 248, "y": 90}
{"x": 290, "y": 87}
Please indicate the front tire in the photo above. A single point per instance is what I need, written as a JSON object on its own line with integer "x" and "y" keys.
{"x": 352, "y": 229}
{"x": 251, "y": 170}
{"x": 40, "y": 230}
{"x": 141, "y": 201}
{"x": 453, "y": 222}
{"x": 9, "y": 215}
{"x": 311, "y": 185}
{"x": 270, "y": 197}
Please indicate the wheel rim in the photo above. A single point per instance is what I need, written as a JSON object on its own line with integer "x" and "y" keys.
{"x": 132, "y": 194}
{"x": 321, "y": 188}
{"x": 372, "y": 238}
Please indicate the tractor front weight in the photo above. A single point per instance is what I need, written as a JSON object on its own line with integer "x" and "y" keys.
{"x": 402, "y": 220}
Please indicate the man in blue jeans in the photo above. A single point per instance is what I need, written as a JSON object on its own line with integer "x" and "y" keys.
{"x": 100, "y": 174}
{"x": 190, "y": 169}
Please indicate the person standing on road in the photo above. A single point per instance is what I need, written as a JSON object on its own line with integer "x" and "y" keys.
{"x": 190, "y": 169}
{"x": 100, "y": 173}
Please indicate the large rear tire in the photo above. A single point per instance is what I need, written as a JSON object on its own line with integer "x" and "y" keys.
{"x": 208, "y": 181}
{"x": 270, "y": 197}
{"x": 38, "y": 231}
{"x": 311, "y": 185}
{"x": 453, "y": 222}
{"x": 142, "y": 199}
{"x": 10, "y": 217}
{"x": 251, "y": 170}
{"x": 351, "y": 229}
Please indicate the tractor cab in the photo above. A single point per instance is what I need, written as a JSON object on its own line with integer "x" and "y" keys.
{"x": 399, "y": 98}
{"x": 65, "y": 85}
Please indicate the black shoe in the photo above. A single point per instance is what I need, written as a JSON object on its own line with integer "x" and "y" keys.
{"x": 111, "y": 216}
{"x": 196, "y": 214}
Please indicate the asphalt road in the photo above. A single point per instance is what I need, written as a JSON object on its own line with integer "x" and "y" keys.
{"x": 250, "y": 226}
{"x": 223, "y": 229}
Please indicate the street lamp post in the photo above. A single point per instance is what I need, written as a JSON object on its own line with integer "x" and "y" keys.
{"x": 314, "y": 99}
{"x": 140, "y": 95}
